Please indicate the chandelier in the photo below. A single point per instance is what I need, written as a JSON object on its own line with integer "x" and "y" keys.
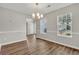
{"x": 36, "y": 13}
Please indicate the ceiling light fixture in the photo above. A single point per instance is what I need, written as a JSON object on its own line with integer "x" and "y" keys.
{"x": 36, "y": 13}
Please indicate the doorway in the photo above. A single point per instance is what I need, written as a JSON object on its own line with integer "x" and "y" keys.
{"x": 30, "y": 27}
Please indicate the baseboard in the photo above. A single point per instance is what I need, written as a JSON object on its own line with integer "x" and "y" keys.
{"x": 31, "y": 34}
{"x": 12, "y": 42}
{"x": 66, "y": 45}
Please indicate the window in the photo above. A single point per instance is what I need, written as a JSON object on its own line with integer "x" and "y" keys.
{"x": 43, "y": 27}
{"x": 64, "y": 24}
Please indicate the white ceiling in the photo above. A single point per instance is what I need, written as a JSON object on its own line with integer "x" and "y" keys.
{"x": 28, "y": 8}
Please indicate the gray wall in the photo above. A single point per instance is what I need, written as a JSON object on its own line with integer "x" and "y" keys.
{"x": 12, "y": 26}
{"x": 52, "y": 27}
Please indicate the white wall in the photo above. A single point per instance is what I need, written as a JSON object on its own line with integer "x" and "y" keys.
{"x": 12, "y": 26}
{"x": 52, "y": 27}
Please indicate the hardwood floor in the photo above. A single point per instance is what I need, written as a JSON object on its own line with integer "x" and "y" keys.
{"x": 37, "y": 47}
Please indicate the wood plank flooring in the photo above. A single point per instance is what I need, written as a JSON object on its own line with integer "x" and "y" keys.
{"x": 34, "y": 46}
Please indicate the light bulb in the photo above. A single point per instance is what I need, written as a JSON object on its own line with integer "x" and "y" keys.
{"x": 41, "y": 16}
{"x": 37, "y": 14}
{"x": 33, "y": 15}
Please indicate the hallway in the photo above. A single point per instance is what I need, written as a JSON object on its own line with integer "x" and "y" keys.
{"x": 37, "y": 47}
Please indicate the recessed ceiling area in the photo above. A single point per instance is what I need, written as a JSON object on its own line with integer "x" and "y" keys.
{"x": 28, "y": 8}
